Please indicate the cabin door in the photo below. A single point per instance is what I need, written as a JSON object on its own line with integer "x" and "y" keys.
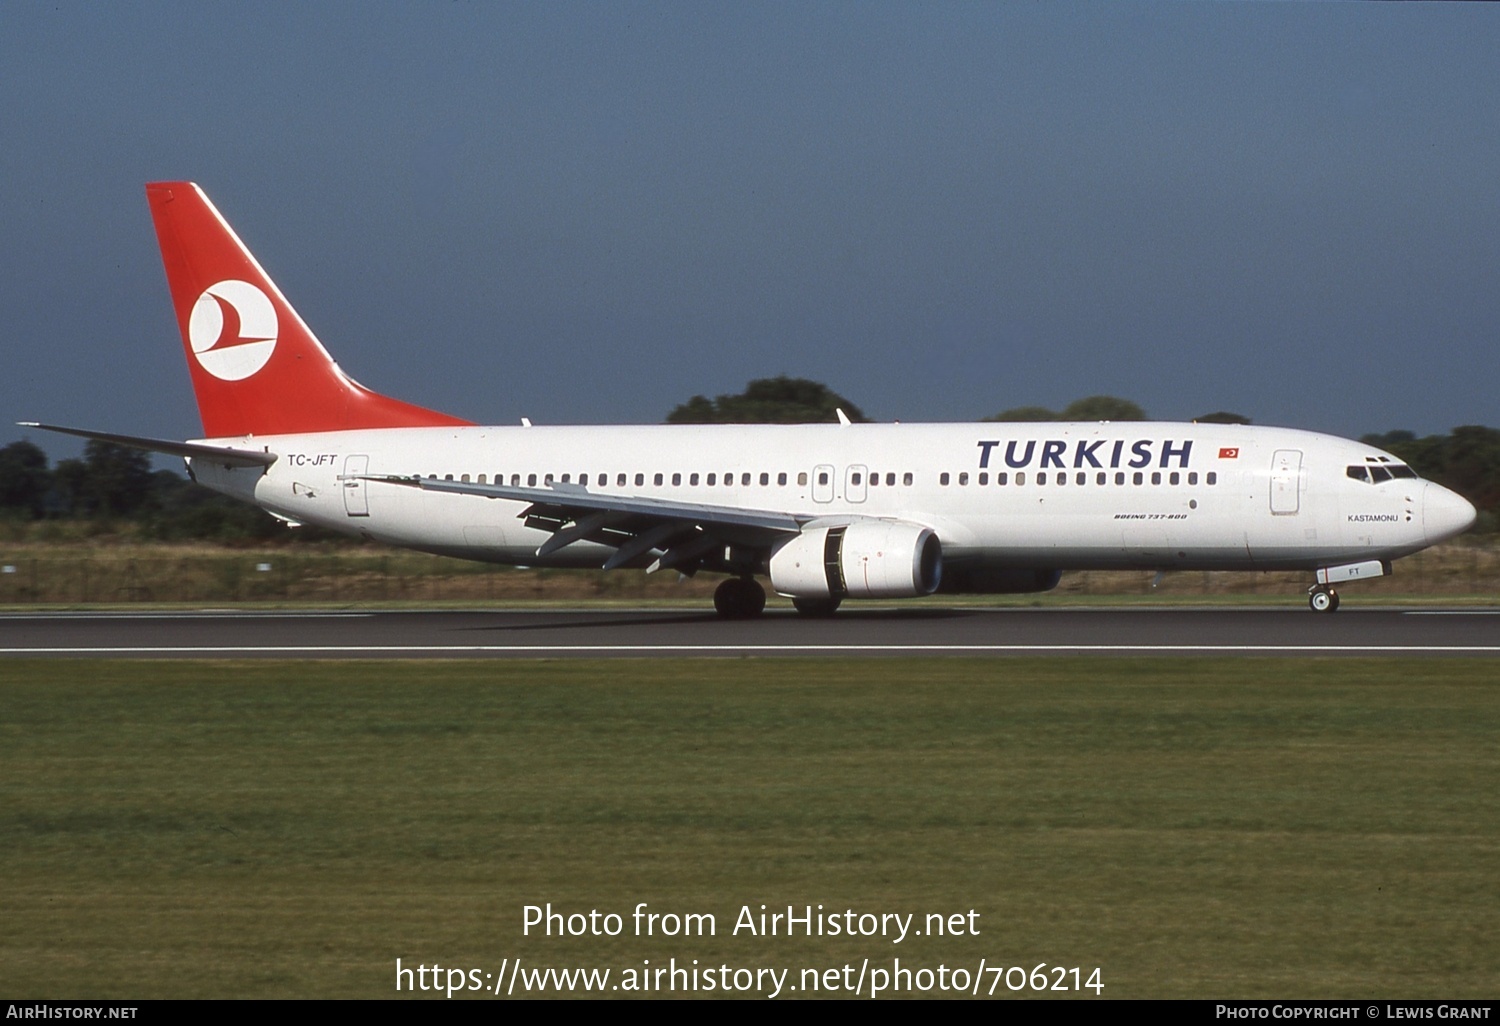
{"x": 1286, "y": 481}
{"x": 854, "y": 483}
{"x": 355, "y": 503}
{"x": 822, "y": 490}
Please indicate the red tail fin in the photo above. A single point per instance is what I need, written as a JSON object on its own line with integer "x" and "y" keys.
{"x": 256, "y": 367}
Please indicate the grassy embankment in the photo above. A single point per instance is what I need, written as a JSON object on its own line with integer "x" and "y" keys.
{"x": 1232, "y": 828}
{"x": 116, "y": 569}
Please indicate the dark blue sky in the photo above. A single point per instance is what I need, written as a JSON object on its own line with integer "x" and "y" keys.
{"x": 589, "y": 212}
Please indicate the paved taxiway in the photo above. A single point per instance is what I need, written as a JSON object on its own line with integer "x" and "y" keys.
{"x": 852, "y": 633}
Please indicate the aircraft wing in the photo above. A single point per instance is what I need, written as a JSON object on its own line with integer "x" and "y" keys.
{"x": 690, "y": 535}
{"x": 220, "y": 454}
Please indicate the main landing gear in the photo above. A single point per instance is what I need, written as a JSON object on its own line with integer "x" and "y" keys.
{"x": 739, "y": 598}
{"x": 742, "y": 598}
{"x": 1322, "y": 598}
{"x": 817, "y": 609}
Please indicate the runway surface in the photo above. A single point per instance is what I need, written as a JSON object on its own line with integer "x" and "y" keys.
{"x": 852, "y": 633}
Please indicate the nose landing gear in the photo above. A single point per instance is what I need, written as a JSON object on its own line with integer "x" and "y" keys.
{"x": 1322, "y": 598}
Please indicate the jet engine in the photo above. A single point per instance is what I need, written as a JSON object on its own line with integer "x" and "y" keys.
{"x": 865, "y": 559}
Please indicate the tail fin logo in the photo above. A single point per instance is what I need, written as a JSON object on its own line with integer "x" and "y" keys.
{"x": 232, "y": 330}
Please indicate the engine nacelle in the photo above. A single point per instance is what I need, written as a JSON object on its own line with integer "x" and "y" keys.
{"x": 865, "y": 559}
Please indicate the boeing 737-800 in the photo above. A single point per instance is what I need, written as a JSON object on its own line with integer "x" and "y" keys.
{"x": 826, "y": 511}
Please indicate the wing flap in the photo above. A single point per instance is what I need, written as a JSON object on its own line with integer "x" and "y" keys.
{"x": 562, "y": 502}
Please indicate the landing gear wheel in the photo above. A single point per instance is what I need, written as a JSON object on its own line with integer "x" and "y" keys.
{"x": 1323, "y": 600}
{"x": 739, "y": 598}
{"x": 818, "y": 608}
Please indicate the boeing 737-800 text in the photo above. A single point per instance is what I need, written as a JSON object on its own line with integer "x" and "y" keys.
{"x": 826, "y": 511}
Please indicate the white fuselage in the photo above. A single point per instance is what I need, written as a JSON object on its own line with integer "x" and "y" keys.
{"x": 1048, "y": 495}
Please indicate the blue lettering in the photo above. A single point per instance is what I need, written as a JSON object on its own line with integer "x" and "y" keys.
{"x": 1142, "y": 451}
{"x": 1052, "y": 453}
{"x": 1114, "y": 455}
{"x": 1010, "y": 454}
{"x": 1167, "y": 452}
{"x": 1085, "y": 451}
{"x": 984, "y": 453}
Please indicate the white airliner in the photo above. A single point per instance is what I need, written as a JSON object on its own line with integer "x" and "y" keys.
{"x": 827, "y": 511}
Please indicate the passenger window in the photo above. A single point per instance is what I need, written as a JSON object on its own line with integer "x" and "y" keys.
{"x": 802, "y": 478}
{"x": 1213, "y": 477}
{"x": 1192, "y": 477}
{"x": 711, "y": 480}
{"x": 566, "y": 478}
{"x": 1156, "y": 477}
{"x": 530, "y": 480}
{"x": 676, "y": 480}
{"x": 515, "y": 480}
{"x": 657, "y": 480}
{"x": 890, "y": 481}
{"x": 854, "y": 478}
{"x": 1139, "y": 478}
{"x": 822, "y": 477}
{"x": 463, "y": 477}
{"x": 1083, "y": 478}
{"x": 640, "y": 479}
{"x": 1174, "y": 477}
{"x": 984, "y": 478}
{"x": 547, "y": 479}
{"x": 1119, "y": 477}
{"x": 1020, "y": 477}
{"x": 620, "y": 481}
{"x": 765, "y": 478}
{"x": 943, "y": 478}
{"x": 1103, "y": 478}
{"x": 1041, "y": 477}
{"x": 1062, "y": 477}
{"x": 1001, "y": 477}
{"x": 447, "y": 477}
{"x": 693, "y": 479}
{"x": 963, "y": 478}
{"x": 781, "y": 478}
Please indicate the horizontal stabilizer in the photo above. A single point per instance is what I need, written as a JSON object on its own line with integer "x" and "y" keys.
{"x": 196, "y": 450}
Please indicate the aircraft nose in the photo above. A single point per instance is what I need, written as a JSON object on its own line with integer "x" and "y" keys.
{"x": 1444, "y": 513}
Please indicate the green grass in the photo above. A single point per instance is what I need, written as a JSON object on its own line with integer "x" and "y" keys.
{"x": 1233, "y": 828}
{"x": 125, "y": 574}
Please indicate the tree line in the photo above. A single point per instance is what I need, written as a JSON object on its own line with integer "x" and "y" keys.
{"x": 111, "y": 483}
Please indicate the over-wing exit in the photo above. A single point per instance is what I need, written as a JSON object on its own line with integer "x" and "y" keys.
{"x": 826, "y": 512}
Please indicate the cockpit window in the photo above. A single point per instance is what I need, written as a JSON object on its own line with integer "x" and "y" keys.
{"x": 1379, "y": 473}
